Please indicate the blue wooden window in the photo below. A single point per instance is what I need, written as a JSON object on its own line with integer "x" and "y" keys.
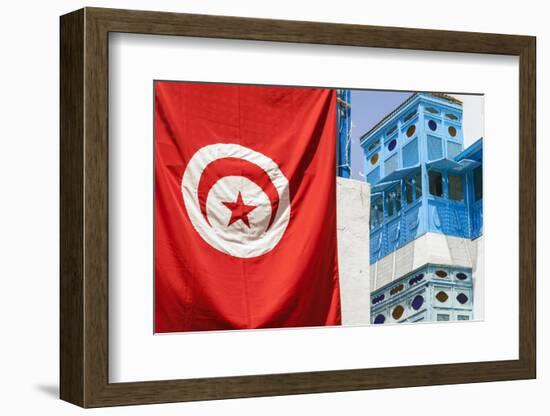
{"x": 413, "y": 188}
{"x": 456, "y": 190}
{"x": 393, "y": 201}
{"x": 377, "y": 212}
{"x": 478, "y": 183}
{"x": 435, "y": 183}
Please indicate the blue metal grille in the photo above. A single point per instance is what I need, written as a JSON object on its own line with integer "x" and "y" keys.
{"x": 410, "y": 154}
{"x": 435, "y": 148}
{"x": 391, "y": 164}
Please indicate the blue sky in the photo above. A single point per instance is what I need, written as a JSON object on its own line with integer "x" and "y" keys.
{"x": 368, "y": 107}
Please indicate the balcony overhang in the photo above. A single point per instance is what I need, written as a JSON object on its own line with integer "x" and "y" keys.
{"x": 452, "y": 166}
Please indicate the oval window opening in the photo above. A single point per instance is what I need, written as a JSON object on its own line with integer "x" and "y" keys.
{"x": 432, "y": 125}
{"x": 396, "y": 289}
{"x": 452, "y": 131}
{"x": 411, "y": 115}
{"x": 462, "y": 298}
{"x": 374, "y": 159}
{"x": 392, "y": 145}
{"x": 461, "y": 276}
{"x": 441, "y": 273}
{"x": 416, "y": 279}
{"x": 380, "y": 319}
{"x": 417, "y": 302}
{"x": 397, "y": 312}
{"x": 378, "y": 298}
{"x": 442, "y": 296}
{"x": 411, "y": 130}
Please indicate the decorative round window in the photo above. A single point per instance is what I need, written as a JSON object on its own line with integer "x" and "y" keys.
{"x": 414, "y": 280}
{"x": 432, "y": 125}
{"x": 441, "y": 273}
{"x": 417, "y": 302}
{"x": 374, "y": 159}
{"x": 442, "y": 296}
{"x": 380, "y": 319}
{"x": 461, "y": 276}
{"x": 397, "y": 312}
{"x": 396, "y": 289}
{"x": 392, "y": 145}
{"x": 411, "y": 130}
{"x": 378, "y": 298}
{"x": 462, "y": 298}
{"x": 452, "y": 131}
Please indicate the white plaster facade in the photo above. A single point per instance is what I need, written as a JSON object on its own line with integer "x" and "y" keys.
{"x": 353, "y": 212}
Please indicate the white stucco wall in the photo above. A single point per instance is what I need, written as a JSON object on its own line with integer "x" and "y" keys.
{"x": 353, "y": 210}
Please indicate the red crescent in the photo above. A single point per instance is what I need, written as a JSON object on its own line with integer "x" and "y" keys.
{"x": 232, "y": 166}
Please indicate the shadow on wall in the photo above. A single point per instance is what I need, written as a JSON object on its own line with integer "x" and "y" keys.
{"x": 51, "y": 390}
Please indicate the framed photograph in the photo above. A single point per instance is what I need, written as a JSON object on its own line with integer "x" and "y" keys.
{"x": 255, "y": 207}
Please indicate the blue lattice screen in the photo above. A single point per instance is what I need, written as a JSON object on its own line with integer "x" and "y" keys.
{"x": 435, "y": 148}
{"x": 453, "y": 149}
{"x": 391, "y": 164}
{"x": 410, "y": 154}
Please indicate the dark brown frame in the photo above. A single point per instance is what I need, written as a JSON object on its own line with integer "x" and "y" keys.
{"x": 84, "y": 209}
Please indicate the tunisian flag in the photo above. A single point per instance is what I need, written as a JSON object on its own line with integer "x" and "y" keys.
{"x": 245, "y": 207}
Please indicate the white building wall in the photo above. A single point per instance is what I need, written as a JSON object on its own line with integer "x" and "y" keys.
{"x": 353, "y": 211}
{"x": 479, "y": 278}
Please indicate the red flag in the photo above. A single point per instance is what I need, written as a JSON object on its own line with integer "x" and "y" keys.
{"x": 245, "y": 207}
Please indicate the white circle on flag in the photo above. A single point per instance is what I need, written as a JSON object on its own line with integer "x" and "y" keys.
{"x": 222, "y": 223}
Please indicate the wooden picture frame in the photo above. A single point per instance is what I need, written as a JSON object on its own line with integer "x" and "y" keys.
{"x": 84, "y": 207}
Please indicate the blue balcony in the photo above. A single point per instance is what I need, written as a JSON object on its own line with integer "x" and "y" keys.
{"x": 422, "y": 180}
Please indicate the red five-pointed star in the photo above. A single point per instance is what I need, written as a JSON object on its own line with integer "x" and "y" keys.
{"x": 239, "y": 210}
